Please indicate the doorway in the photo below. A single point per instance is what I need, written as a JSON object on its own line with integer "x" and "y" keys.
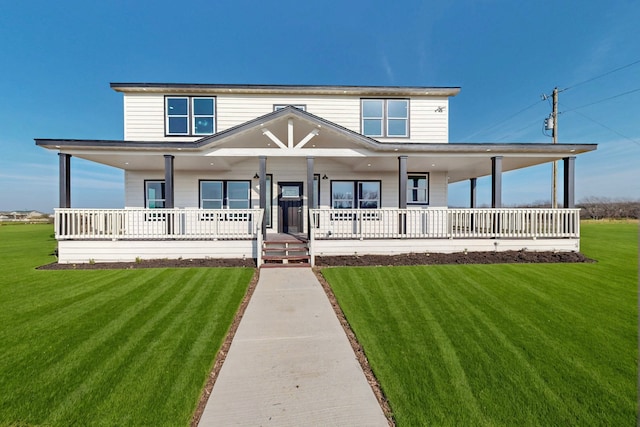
{"x": 290, "y": 207}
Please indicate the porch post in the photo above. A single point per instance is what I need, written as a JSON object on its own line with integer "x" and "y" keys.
{"x": 402, "y": 181}
{"x": 263, "y": 192}
{"x": 65, "y": 180}
{"x": 168, "y": 181}
{"x": 472, "y": 200}
{"x": 402, "y": 193}
{"x": 472, "y": 194}
{"x": 310, "y": 193}
{"x": 569, "y": 182}
{"x": 496, "y": 182}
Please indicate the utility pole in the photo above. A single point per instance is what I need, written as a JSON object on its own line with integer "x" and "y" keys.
{"x": 554, "y": 191}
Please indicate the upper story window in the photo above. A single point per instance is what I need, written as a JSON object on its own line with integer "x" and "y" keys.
{"x": 277, "y": 107}
{"x": 190, "y": 115}
{"x": 385, "y": 117}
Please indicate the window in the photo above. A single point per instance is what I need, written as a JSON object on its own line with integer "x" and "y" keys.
{"x": 418, "y": 189}
{"x": 154, "y": 194}
{"x": 211, "y": 194}
{"x": 186, "y": 115}
{"x": 343, "y": 195}
{"x": 225, "y": 194}
{"x": 277, "y": 107}
{"x": 369, "y": 195}
{"x": 385, "y": 117}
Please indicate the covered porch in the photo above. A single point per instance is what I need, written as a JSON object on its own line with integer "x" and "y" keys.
{"x": 346, "y": 192}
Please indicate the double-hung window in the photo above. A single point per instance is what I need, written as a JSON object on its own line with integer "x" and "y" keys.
{"x": 385, "y": 117}
{"x": 355, "y": 194}
{"x": 190, "y": 115}
{"x": 418, "y": 189}
{"x": 225, "y": 194}
{"x": 154, "y": 194}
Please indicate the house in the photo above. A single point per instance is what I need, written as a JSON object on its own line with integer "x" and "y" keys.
{"x": 284, "y": 173}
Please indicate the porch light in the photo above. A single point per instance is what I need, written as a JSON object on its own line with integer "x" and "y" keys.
{"x": 325, "y": 176}
{"x": 256, "y": 176}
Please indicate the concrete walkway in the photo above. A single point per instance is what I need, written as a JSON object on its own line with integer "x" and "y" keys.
{"x": 290, "y": 362}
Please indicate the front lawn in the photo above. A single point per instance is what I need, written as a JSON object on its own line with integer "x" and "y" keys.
{"x": 106, "y": 347}
{"x": 547, "y": 344}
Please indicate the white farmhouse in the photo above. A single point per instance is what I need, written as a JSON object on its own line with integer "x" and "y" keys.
{"x": 284, "y": 173}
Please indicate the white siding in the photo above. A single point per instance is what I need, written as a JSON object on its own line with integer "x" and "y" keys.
{"x": 84, "y": 251}
{"x": 282, "y": 169}
{"x": 144, "y": 114}
{"x": 406, "y": 246}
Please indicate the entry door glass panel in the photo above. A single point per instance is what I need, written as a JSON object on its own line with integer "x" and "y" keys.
{"x": 289, "y": 191}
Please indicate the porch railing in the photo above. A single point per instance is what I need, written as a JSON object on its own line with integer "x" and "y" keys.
{"x": 157, "y": 224}
{"x": 444, "y": 223}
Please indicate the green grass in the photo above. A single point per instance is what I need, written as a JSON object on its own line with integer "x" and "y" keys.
{"x": 504, "y": 344}
{"x": 106, "y": 347}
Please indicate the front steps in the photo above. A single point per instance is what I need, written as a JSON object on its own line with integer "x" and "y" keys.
{"x": 284, "y": 250}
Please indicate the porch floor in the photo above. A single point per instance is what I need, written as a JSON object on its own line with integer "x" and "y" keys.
{"x": 286, "y": 237}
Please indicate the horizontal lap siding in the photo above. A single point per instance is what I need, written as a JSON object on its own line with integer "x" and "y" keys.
{"x": 186, "y": 192}
{"x": 407, "y": 246}
{"x": 235, "y": 110}
{"x": 85, "y": 251}
{"x": 144, "y": 114}
{"x": 186, "y": 183}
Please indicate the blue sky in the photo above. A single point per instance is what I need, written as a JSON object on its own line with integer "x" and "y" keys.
{"x": 58, "y": 58}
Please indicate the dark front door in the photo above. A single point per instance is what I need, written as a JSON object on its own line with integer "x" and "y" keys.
{"x": 290, "y": 207}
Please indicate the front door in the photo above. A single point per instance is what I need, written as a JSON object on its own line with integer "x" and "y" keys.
{"x": 290, "y": 207}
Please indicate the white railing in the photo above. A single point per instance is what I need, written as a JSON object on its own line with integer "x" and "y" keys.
{"x": 158, "y": 224}
{"x": 444, "y": 223}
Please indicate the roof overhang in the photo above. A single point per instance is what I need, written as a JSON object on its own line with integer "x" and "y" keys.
{"x": 168, "y": 88}
{"x": 294, "y": 133}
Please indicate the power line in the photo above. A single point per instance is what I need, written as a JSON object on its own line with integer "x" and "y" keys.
{"x": 603, "y": 100}
{"x": 602, "y": 75}
{"x": 503, "y": 121}
{"x": 606, "y": 127}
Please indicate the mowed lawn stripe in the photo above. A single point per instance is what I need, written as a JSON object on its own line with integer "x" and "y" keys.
{"x": 77, "y": 338}
{"x": 538, "y": 344}
{"x": 121, "y": 346}
{"x": 111, "y": 347}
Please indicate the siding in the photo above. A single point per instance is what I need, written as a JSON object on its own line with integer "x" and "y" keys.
{"x": 187, "y": 189}
{"x": 144, "y": 114}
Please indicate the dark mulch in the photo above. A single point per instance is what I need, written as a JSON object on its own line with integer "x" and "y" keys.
{"x": 507, "y": 257}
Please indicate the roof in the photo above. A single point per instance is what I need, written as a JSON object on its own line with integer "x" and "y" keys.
{"x": 356, "y": 151}
{"x": 285, "y": 89}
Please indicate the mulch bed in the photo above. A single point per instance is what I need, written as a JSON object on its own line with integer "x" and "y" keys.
{"x": 507, "y": 257}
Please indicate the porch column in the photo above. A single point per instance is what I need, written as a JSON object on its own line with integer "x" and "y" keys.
{"x": 65, "y": 180}
{"x": 569, "y": 182}
{"x": 472, "y": 200}
{"x": 310, "y": 193}
{"x": 472, "y": 192}
{"x": 168, "y": 181}
{"x": 496, "y": 182}
{"x": 402, "y": 193}
{"x": 263, "y": 192}
{"x": 402, "y": 181}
